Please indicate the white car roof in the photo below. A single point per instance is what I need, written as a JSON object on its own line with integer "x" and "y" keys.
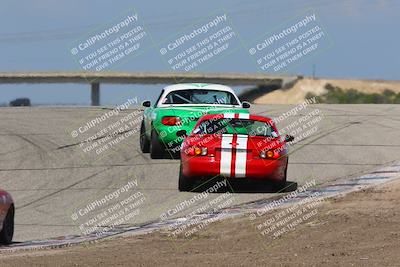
{"x": 208, "y": 86}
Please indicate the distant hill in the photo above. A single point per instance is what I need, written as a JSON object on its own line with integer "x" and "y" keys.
{"x": 297, "y": 91}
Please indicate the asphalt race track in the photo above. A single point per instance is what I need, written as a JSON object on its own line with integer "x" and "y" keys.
{"x": 50, "y": 176}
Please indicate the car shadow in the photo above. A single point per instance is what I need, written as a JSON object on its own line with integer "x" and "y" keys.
{"x": 246, "y": 187}
{"x": 170, "y": 155}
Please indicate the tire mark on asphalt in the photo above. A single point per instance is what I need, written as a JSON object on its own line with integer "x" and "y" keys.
{"x": 335, "y": 163}
{"x": 351, "y": 145}
{"x": 86, "y": 167}
{"x": 41, "y": 151}
{"x": 95, "y": 139}
{"x": 61, "y": 190}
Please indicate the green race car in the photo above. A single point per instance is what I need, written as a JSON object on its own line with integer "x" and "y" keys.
{"x": 178, "y": 108}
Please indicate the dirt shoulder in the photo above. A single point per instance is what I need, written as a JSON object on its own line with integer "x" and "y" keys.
{"x": 360, "y": 229}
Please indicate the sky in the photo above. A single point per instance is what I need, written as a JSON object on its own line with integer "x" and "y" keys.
{"x": 360, "y": 40}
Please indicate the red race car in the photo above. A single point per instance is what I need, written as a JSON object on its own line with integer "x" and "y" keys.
{"x": 6, "y": 217}
{"x": 233, "y": 146}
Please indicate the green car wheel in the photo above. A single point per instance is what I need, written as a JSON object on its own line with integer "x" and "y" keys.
{"x": 144, "y": 142}
{"x": 156, "y": 148}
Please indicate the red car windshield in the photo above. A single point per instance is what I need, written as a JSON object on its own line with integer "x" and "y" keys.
{"x": 236, "y": 126}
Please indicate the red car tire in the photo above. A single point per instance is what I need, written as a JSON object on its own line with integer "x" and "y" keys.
{"x": 7, "y": 232}
{"x": 184, "y": 185}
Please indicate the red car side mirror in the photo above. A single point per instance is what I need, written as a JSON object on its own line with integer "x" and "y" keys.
{"x": 289, "y": 138}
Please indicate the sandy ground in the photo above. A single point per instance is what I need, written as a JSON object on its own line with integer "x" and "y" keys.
{"x": 298, "y": 92}
{"x": 360, "y": 229}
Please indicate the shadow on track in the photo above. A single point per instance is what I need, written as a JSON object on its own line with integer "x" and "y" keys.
{"x": 248, "y": 186}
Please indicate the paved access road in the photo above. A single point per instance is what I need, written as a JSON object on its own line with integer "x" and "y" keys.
{"x": 51, "y": 177}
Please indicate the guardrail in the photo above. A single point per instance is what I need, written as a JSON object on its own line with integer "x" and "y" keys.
{"x": 95, "y": 78}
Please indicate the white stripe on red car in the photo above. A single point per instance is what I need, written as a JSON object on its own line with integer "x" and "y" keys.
{"x": 233, "y": 155}
{"x": 244, "y": 116}
{"x": 241, "y": 156}
{"x": 229, "y": 115}
{"x": 234, "y": 151}
{"x": 226, "y": 154}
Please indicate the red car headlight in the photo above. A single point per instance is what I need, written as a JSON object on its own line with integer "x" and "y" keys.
{"x": 171, "y": 120}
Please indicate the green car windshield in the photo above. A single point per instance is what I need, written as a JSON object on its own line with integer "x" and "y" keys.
{"x": 236, "y": 126}
{"x": 196, "y": 96}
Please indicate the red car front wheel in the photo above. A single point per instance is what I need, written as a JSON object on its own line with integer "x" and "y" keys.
{"x": 6, "y": 234}
{"x": 281, "y": 185}
{"x": 184, "y": 183}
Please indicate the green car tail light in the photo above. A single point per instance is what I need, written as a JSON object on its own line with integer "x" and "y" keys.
{"x": 171, "y": 121}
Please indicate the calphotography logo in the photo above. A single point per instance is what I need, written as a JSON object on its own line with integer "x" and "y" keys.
{"x": 109, "y": 130}
{"x": 200, "y": 44}
{"x": 119, "y": 207}
{"x": 223, "y": 133}
{"x": 108, "y": 46}
{"x": 291, "y": 44}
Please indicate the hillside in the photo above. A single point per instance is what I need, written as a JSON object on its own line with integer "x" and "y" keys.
{"x": 298, "y": 92}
